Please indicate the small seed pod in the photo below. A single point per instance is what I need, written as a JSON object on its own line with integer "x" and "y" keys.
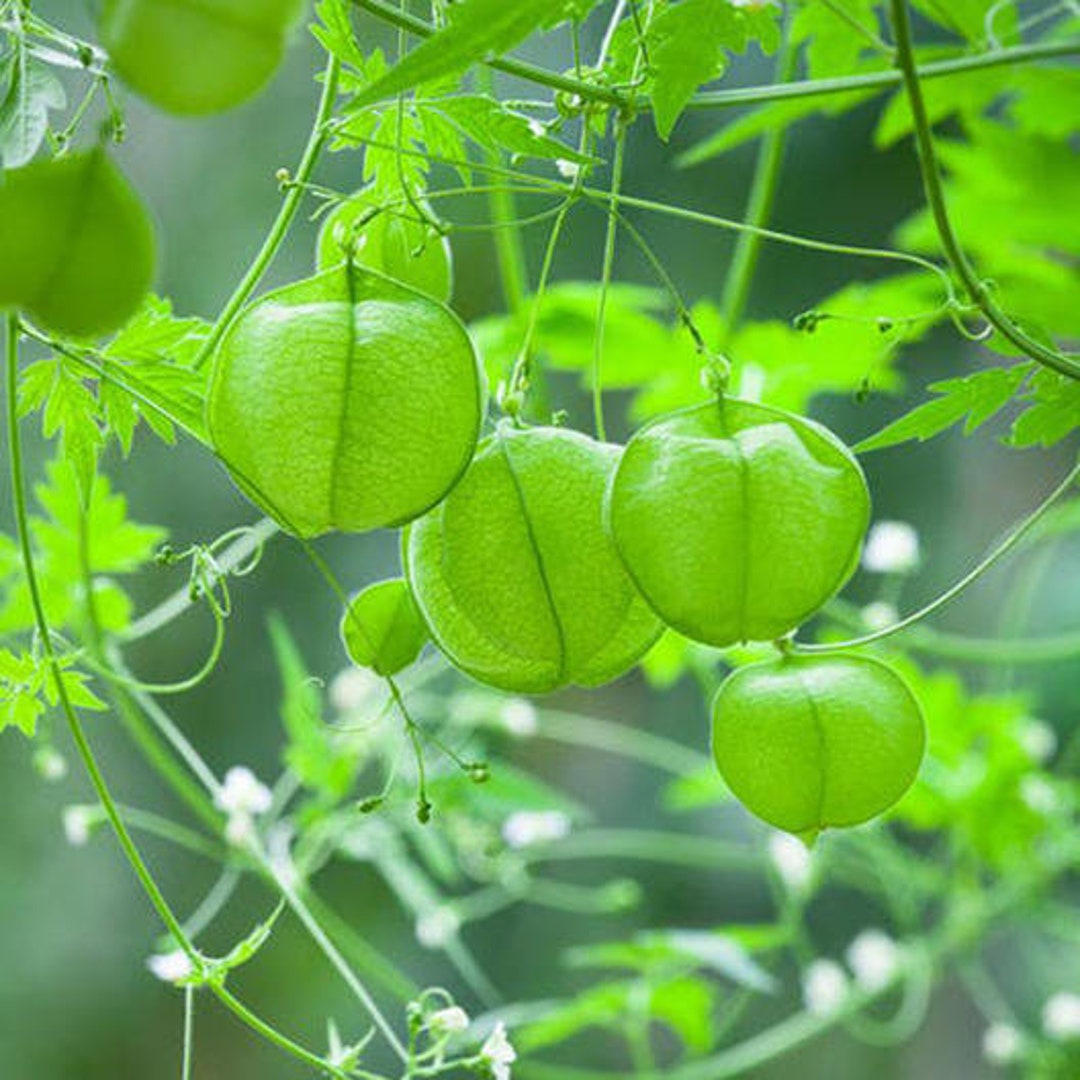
{"x": 392, "y": 241}
{"x": 382, "y": 628}
{"x": 197, "y": 58}
{"x": 737, "y": 521}
{"x": 514, "y": 574}
{"x": 345, "y": 401}
{"x": 811, "y": 743}
{"x": 76, "y": 245}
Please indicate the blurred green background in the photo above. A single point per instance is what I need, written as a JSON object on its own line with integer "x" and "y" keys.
{"x": 76, "y": 999}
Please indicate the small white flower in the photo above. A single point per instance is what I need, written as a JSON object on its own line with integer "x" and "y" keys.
{"x": 873, "y": 957}
{"x": 569, "y": 169}
{"x": 1038, "y": 795}
{"x": 77, "y": 823}
{"x": 1061, "y": 1017}
{"x": 498, "y": 1054}
{"x": 535, "y": 827}
{"x": 242, "y": 793}
{"x": 170, "y": 967}
{"x": 355, "y": 689}
{"x": 1002, "y": 1044}
{"x": 879, "y": 615}
{"x": 51, "y": 765}
{"x": 1039, "y": 741}
{"x": 437, "y": 928}
{"x": 825, "y": 986}
{"x": 449, "y": 1021}
{"x": 792, "y": 860}
{"x": 537, "y": 128}
{"x": 518, "y": 716}
{"x": 891, "y": 548}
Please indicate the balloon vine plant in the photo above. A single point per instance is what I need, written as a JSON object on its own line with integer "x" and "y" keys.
{"x": 537, "y": 557}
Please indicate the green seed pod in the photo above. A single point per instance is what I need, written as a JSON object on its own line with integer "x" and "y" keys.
{"x": 345, "y": 401}
{"x": 810, "y": 743}
{"x": 393, "y": 242}
{"x": 514, "y": 574}
{"x": 197, "y": 58}
{"x": 382, "y": 628}
{"x": 737, "y": 521}
{"x": 76, "y": 245}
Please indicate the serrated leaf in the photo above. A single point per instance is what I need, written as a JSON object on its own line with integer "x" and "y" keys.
{"x": 831, "y": 31}
{"x": 1052, "y": 411}
{"x": 688, "y": 43}
{"x": 475, "y": 30}
{"x": 494, "y": 126}
{"x": 69, "y": 409}
{"x": 32, "y": 91}
{"x": 973, "y": 400}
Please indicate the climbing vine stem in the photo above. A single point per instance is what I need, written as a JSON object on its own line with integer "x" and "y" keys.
{"x": 935, "y": 196}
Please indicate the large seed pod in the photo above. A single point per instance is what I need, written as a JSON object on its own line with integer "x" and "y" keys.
{"x": 345, "y": 401}
{"x": 737, "y": 521}
{"x": 811, "y": 743}
{"x": 393, "y": 242}
{"x": 199, "y": 57}
{"x": 519, "y": 583}
{"x": 76, "y": 245}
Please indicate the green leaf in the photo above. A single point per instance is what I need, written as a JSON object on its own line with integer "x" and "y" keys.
{"x": 475, "y": 30}
{"x": 67, "y": 408}
{"x": 834, "y": 41}
{"x": 32, "y": 91}
{"x": 968, "y": 18}
{"x": 635, "y": 343}
{"x": 973, "y": 399}
{"x": 494, "y": 126}
{"x": 687, "y": 1006}
{"x": 1052, "y": 412}
{"x": 777, "y": 114}
{"x": 688, "y": 43}
{"x": 322, "y": 761}
{"x": 599, "y": 1006}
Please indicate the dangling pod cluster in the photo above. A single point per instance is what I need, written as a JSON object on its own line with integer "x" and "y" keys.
{"x": 537, "y": 558}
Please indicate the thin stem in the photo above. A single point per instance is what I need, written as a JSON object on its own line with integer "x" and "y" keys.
{"x": 974, "y": 650}
{"x": 935, "y": 196}
{"x": 513, "y": 269}
{"x": 999, "y": 552}
{"x": 290, "y": 205}
{"x": 189, "y": 1033}
{"x": 18, "y": 492}
{"x": 329, "y": 950}
{"x": 763, "y": 193}
{"x": 605, "y": 281}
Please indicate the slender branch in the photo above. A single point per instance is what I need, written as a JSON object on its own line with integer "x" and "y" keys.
{"x": 935, "y": 197}
{"x": 610, "y": 237}
{"x": 999, "y": 552}
{"x": 513, "y": 267}
{"x": 766, "y": 183}
{"x": 320, "y": 132}
{"x": 753, "y": 95}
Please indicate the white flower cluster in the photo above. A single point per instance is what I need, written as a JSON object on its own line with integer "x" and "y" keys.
{"x": 1004, "y": 1044}
{"x": 873, "y": 958}
{"x": 243, "y": 798}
